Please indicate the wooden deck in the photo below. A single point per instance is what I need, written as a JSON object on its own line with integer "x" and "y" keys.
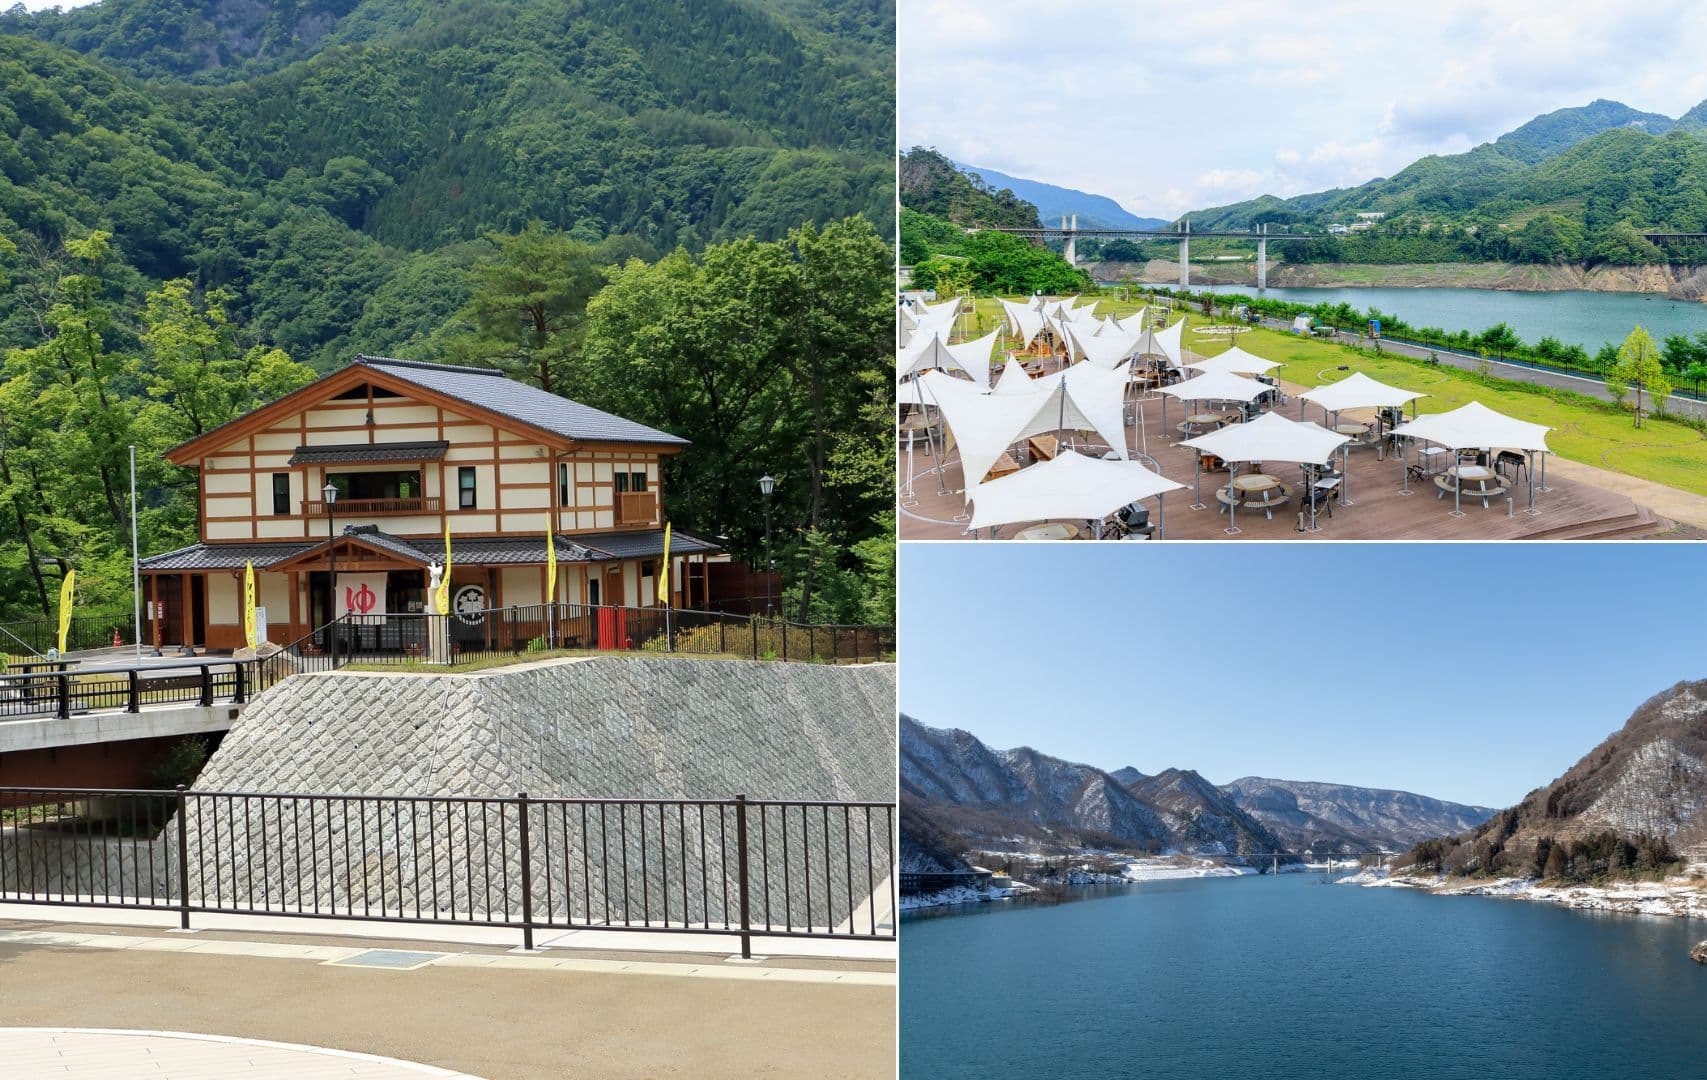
{"x": 1570, "y": 510}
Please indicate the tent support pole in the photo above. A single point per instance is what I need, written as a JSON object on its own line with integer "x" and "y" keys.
{"x": 1196, "y": 482}
{"x": 1457, "y": 492}
{"x": 1544, "y": 487}
{"x": 1232, "y": 501}
{"x": 1530, "y": 469}
{"x": 1405, "y": 463}
{"x": 1345, "y": 481}
{"x": 1161, "y": 516}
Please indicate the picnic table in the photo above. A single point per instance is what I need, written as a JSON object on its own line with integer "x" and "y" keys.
{"x": 1043, "y": 447}
{"x": 1473, "y": 481}
{"x": 1055, "y": 530}
{"x": 1003, "y": 466}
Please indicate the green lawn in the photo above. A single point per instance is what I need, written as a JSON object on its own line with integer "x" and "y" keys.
{"x": 1663, "y": 451}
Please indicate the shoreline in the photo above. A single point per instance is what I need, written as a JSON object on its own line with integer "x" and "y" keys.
{"x": 1688, "y": 283}
{"x": 1676, "y": 897}
{"x": 1136, "y": 871}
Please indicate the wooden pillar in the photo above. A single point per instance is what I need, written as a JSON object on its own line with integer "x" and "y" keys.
{"x": 154, "y": 609}
{"x": 184, "y": 625}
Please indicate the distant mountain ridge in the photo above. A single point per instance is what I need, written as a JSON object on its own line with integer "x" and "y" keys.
{"x": 956, "y": 791}
{"x": 1596, "y": 166}
{"x": 1312, "y": 816}
{"x": 1054, "y": 202}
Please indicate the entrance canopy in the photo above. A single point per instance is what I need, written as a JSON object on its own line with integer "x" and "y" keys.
{"x": 1358, "y": 391}
{"x": 1234, "y": 361}
{"x": 1476, "y": 427}
{"x": 1069, "y": 486}
{"x": 1270, "y": 437}
{"x": 1217, "y": 386}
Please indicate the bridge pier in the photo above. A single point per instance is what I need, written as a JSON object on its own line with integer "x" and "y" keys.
{"x": 1185, "y": 255}
{"x": 1070, "y": 240}
{"x": 1262, "y": 258}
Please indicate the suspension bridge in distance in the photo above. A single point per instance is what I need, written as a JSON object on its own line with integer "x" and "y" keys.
{"x": 1068, "y": 232}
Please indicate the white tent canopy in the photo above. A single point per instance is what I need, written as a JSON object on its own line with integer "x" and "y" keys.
{"x": 1105, "y": 351}
{"x": 925, "y": 351}
{"x": 1013, "y": 379}
{"x": 1358, "y": 391}
{"x": 1168, "y": 343}
{"x": 1270, "y": 437}
{"x": 1235, "y": 361}
{"x": 949, "y": 307}
{"x": 973, "y": 357}
{"x": 1069, "y": 486}
{"x": 1475, "y": 427}
{"x": 984, "y": 425}
{"x": 1026, "y": 324}
{"x": 1134, "y": 323}
{"x": 1217, "y": 386}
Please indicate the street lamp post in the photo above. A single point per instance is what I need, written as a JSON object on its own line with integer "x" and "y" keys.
{"x": 767, "y": 484}
{"x": 330, "y": 494}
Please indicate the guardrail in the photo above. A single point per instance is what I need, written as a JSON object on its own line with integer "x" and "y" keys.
{"x": 402, "y": 640}
{"x": 740, "y": 867}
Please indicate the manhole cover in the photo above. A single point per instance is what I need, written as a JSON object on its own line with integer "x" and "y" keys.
{"x": 395, "y": 959}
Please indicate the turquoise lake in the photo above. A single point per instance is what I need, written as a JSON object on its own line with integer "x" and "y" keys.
{"x": 1287, "y": 977}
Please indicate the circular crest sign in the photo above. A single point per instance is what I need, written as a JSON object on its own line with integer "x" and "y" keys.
{"x": 468, "y": 603}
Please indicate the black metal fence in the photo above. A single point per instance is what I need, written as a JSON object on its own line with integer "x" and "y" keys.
{"x": 404, "y": 640}
{"x": 741, "y": 867}
{"x": 90, "y": 630}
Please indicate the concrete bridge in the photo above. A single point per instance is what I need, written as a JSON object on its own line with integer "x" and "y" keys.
{"x": 1069, "y": 232}
{"x": 107, "y": 725}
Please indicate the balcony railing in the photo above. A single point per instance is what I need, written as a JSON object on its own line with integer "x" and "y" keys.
{"x": 356, "y": 507}
{"x": 636, "y": 507}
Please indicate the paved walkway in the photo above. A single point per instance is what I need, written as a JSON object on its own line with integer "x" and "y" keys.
{"x": 484, "y": 1011}
{"x": 97, "y": 1054}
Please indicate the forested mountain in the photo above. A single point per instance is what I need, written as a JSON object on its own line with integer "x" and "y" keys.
{"x": 932, "y": 184}
{"x": 1573, "y": 185}
{"x": 1635, "y": 802}
{"x": 347, "y": 140}
{"x": 204, "y": 202}
{"x": 1053, "y": 201}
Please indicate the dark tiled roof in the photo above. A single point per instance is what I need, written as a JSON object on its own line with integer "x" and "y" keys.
{"x": 474, "y": 551}
{"x": 226, "y": 556}
{"x": 640, "y": 545}
{"x": 366, "y": 453}
{"x": 495, "y": 391}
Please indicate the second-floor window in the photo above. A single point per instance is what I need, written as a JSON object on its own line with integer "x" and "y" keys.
{"x": 630, "y": 481}
{"x": 563, "y": 492}
{"x": 281, "y": 493}
{"x": 465, "y": 491}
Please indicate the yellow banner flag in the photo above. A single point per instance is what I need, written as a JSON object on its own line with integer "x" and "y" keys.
{"x": 664, "y": 571}
{"x": 442, "y": 600}
{"x": 66, "y": 589}
{"x": 550, "y": 568}
{"x": 249, "y": 603}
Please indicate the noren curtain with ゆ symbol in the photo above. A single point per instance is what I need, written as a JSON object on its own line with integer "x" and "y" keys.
{"x": 361, "y": 595}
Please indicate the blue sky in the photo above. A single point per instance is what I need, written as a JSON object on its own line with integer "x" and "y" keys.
{"x": 1179, "y": 107}
{"x": 1466, "y": 672}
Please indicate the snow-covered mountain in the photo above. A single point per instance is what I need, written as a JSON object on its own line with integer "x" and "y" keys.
{"x": 1340, "y": 818}
{"x": 964, "y": 788}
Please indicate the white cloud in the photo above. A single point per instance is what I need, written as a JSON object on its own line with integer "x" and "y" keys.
{"x": 1170, "y": 109}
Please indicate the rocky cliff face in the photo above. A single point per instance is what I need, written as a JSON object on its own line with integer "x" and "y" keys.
{"x": 1339, "y": 818}
{"x": 994, "y": 797}
{"x": 1645, "y": 787}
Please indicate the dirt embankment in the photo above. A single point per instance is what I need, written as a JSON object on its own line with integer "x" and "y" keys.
{"x": 1676, "y": 282}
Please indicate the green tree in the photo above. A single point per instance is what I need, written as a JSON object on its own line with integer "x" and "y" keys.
{"x": 528, "y": 304}
{"x": 1638, "y": 366}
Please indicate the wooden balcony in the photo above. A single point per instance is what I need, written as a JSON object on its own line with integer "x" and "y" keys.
{"x": 371, "y": 507}
{"x": 637, "y": 508}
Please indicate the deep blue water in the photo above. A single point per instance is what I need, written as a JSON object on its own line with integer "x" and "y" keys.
{"x": 1589, "y": 319}
{"x": 1283, "y": 977}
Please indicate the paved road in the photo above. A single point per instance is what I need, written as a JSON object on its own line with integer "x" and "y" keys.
{"x": 1581, "y": 384}
{"x": 77, "y": 1054}
{"x": 488, "y": 1014}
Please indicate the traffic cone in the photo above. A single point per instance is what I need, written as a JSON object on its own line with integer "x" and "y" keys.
{"x": 118, "y": 642}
